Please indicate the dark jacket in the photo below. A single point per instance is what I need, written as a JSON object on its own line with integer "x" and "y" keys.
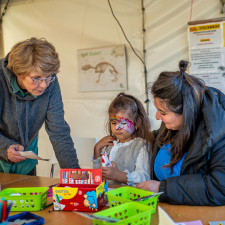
{"x": 22, "y": 118}
{"x": 202, "y": 178}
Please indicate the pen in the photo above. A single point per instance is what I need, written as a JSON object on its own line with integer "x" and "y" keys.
{"x": 70, "y": 178}
{"x": 56, "y": 200}
{"x": 57, "y": 197}
{"x": 47, "y": 206}
{"x": 89, "y": 178}
{"x": 79, "y": 172}
{"x": 8, "y": 209}
{"x": 92, "y": 181}
{"x": 76, "y": 179}
{"x": 85, "y": 180}
{"x": 82, "y": 181}
{"x": 63, "y": 175}
{"x": 66, "y": 177}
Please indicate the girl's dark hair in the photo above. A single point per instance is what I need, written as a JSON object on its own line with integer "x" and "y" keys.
{"x": 136, "y": 111}
{"x": 183, "y": 95}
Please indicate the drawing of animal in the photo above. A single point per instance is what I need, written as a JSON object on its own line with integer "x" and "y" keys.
{"x": 117, "y": 51}
{"x": 90, "y": 200}
{"x": 101, "y": 68}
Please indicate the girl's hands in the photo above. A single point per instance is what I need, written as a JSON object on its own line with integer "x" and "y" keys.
{"x": 112, "y": 173}
{"x": 150, "y": 185}
{"x": 108, "y": 140}
{"x": 13, "y": 153}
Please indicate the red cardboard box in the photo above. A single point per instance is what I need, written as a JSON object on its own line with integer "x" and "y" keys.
{"x": 80, "y": 194}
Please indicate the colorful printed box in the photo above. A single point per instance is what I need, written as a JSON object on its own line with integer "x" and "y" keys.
{"x": 86, "y": 194}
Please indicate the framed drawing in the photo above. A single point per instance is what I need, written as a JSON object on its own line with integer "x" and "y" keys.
{"x": 102, "y": 69}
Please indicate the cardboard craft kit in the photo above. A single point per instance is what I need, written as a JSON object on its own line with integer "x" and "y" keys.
{"x": 80, "y": 190}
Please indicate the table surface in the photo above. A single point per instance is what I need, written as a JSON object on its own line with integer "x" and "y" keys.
{"x": 179, "y": 213}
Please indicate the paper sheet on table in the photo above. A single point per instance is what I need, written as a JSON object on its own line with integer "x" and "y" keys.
{"x": 196, "y": 222}
{"x": 32, "y": 155}
{"x": 165, "y": 219}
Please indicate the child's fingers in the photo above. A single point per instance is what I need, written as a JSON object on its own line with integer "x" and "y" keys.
{"x": 110, "y": 143}
{"x": 104, "y": 169}
{"x": 140, "y": 185}
{"x": 113, "y": 164}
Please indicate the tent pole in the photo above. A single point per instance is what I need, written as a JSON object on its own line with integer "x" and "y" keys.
{"x": 144, "y": 56}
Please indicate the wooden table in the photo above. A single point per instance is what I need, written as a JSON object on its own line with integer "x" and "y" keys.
{"x": 179, "y": 213}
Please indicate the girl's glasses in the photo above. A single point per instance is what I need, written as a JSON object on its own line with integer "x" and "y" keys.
{"x": 38, "y": 81}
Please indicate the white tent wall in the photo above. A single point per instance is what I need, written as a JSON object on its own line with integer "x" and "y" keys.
{"x": 62, "y": 23}
{"x": 166, "y": 35}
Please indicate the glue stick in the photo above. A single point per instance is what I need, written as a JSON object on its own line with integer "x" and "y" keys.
{"x": 105, "y": 160}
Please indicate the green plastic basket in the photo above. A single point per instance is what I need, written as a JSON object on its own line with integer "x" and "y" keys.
{"x": 125, "y": 194}
{"x": 26, "y": 199}
{"x": 130, "y": 213}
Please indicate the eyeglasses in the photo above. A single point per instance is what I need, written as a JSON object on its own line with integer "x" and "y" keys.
{"x": 38, "y": 81}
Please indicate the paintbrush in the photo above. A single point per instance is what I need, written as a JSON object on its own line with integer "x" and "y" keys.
{"x": 147, "y": 197}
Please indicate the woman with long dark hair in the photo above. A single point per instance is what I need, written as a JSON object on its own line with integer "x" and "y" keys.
{"x": 188, "y": 160}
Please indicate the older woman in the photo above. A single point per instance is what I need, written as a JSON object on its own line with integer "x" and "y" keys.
{"x": 29, "y": 96}
{"x": 188, "y": 157}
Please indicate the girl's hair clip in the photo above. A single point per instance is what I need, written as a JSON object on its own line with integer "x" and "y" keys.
{"x": 121, "y": 95}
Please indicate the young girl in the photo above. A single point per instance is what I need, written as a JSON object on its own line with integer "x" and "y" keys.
{"x": 128, "y": 143}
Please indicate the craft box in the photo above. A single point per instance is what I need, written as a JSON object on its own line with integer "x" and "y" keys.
{"x": 80, "y": 194}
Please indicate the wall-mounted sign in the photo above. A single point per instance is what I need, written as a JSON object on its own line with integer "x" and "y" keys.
{"x": 102, "y": 69}
{"x": 207, "y": 51}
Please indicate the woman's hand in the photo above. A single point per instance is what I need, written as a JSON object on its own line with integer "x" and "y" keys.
{"x": 13, "y": 153}
{"x": 112, "y": 173}
{"x": 150, "y": 185}
{"x": 108, "y": 140}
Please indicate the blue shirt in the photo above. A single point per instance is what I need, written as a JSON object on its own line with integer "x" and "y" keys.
{"x": 23, "y": 167}
{"x": 162, "y": 159}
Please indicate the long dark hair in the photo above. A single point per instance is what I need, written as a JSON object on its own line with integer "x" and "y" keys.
{"x": 136, "y": 112}
{"x": 183, "y": 95}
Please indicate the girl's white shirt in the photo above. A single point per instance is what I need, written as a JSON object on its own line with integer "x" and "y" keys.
{"x": 142, "y": 168}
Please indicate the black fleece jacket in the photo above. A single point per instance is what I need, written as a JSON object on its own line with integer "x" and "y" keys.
{"x": 202, "y": 178}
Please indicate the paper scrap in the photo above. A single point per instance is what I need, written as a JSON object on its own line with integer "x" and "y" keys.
{"x": 196, "y": 222}
{"x": 165, "y": 219}
{"x": 32, "y": 155}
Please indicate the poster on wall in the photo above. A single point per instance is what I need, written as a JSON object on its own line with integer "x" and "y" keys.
{"x": 102, "y": 69}
{"x": 207, "y": 51}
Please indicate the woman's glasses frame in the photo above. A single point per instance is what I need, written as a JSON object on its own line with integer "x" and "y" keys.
{"x": 38, "y": 81}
